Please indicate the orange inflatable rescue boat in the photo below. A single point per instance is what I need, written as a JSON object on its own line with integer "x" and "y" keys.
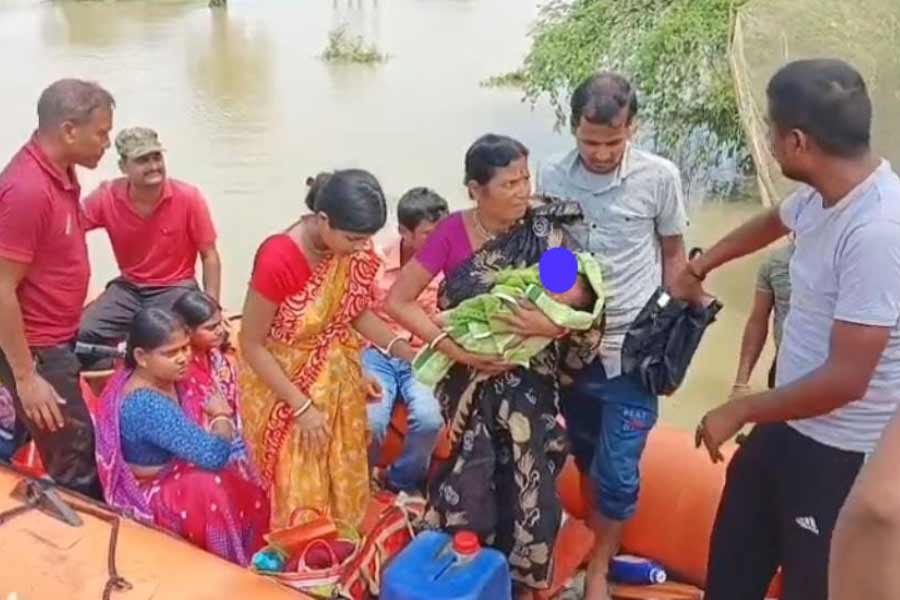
{"x": 44, "y": 558}
{"x": 680, "y": 490}
{"x": 47, "y": 558}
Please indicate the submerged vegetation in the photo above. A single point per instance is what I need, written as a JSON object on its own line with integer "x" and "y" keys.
{"x": 346, "y": 48}
{"x": 675, "y": 52}
{"x": 513, "y": 79}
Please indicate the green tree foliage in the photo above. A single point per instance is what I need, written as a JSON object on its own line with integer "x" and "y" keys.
{"x": 674, "y": 51}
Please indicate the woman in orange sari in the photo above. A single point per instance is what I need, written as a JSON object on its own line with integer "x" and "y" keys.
{"x": 302, "y": 388}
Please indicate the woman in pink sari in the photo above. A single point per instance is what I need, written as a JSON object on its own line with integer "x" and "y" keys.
{"x": 160, "y": 466}
{"x": 211, "y": 371}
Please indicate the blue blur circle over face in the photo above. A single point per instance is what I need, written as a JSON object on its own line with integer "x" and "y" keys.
{"x": 558, "y": 270}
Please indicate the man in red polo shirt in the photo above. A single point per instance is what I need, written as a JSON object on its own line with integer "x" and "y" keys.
{"x": 157, "y": 227}
{"x": 44, "y": 276}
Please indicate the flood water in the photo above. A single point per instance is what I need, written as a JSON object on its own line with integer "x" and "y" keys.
{"x": 247, "y": 110}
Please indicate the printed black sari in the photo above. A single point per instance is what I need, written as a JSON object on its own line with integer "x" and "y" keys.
{"x": 508, "y": 446}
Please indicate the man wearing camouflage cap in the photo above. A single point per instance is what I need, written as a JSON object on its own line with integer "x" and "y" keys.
{"x": 157, "y": 227}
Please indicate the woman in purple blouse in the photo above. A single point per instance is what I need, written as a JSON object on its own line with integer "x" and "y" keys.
{"x": 507, "y": 445}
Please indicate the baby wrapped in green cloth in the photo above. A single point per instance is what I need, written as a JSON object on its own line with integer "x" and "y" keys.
{"x": 475, "y": 327}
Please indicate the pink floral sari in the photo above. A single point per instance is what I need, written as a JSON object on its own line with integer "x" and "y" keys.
{"x": 223, "y": 512}
{"x": 215, "y": 372}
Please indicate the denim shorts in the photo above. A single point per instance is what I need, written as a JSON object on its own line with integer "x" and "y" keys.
{"x": 608, "y": 421}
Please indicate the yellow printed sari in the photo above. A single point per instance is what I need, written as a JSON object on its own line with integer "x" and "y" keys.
{"x": 313, "y": 339}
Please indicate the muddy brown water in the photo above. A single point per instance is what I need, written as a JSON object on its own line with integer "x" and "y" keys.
{"x": 247, "y": 110}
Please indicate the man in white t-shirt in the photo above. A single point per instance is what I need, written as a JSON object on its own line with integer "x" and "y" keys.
{"x": 838, "y": 381}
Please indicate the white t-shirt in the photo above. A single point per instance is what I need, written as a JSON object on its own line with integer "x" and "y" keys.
{"x": 846, "y": 267}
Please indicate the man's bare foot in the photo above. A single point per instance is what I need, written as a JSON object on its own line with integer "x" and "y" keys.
{"x": 596, "y": 586}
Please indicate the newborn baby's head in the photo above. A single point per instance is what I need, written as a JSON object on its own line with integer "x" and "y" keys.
{"x": 580, "y": 296}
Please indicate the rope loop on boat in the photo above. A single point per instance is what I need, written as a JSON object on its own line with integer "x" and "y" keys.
{"x": 115, "y": 582}
{"x": 9, "y": 515}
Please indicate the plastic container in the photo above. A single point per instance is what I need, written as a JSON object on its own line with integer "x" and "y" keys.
{"x": 436, "y": 567}
{"x": 634, "y": 570}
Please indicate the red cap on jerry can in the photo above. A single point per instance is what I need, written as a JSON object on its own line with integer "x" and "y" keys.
{"x": 466, "y": 543}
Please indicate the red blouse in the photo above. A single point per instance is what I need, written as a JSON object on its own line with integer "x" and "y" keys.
{"x": 280, "y": 269}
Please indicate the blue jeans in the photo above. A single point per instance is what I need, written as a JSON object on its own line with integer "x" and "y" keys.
{"x": 608, "y": 421}
{"x": 425, "y": 422}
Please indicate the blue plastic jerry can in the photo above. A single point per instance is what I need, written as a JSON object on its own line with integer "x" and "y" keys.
{"x": 436, "y": 567}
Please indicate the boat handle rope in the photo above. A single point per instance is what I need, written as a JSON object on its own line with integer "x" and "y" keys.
{"x": 114, "y": 582}
{"x": 9, "y": 515}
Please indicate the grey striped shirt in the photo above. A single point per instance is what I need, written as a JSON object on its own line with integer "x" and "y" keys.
{"x": 625, "y": 215}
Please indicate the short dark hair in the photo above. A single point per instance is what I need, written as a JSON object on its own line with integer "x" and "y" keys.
{"x": 72, "y": 100}
{"x": 589, "y": 299}
{"x": 195, "y": 308}
{"x": 151, "y": 329}
{"x": 352, "y": 200}
{"x": 601, "y": 98}
{"x": 826, "y": 99}
{"x": 488, "y": 154}
{"x": 420, "y": 205}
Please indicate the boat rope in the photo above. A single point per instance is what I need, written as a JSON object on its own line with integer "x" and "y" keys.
{"x": 114, "y": 582}
{"x": 8, "y": 515}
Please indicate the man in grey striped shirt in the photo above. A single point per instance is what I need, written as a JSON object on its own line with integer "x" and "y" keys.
{"x": 634, "y": 220}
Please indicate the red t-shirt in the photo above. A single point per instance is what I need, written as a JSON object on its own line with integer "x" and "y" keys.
{"x": 160, "y": 249}
{"x": 280, "y": 269}
{"x": 42, "y": 226}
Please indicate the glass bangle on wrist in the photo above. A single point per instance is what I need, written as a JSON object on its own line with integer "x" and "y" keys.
{"x": 387, "y": 349}
{"x": 298, "y": 412}
{"x": 221, "y": 417}
{"x": 444, "y": 335}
